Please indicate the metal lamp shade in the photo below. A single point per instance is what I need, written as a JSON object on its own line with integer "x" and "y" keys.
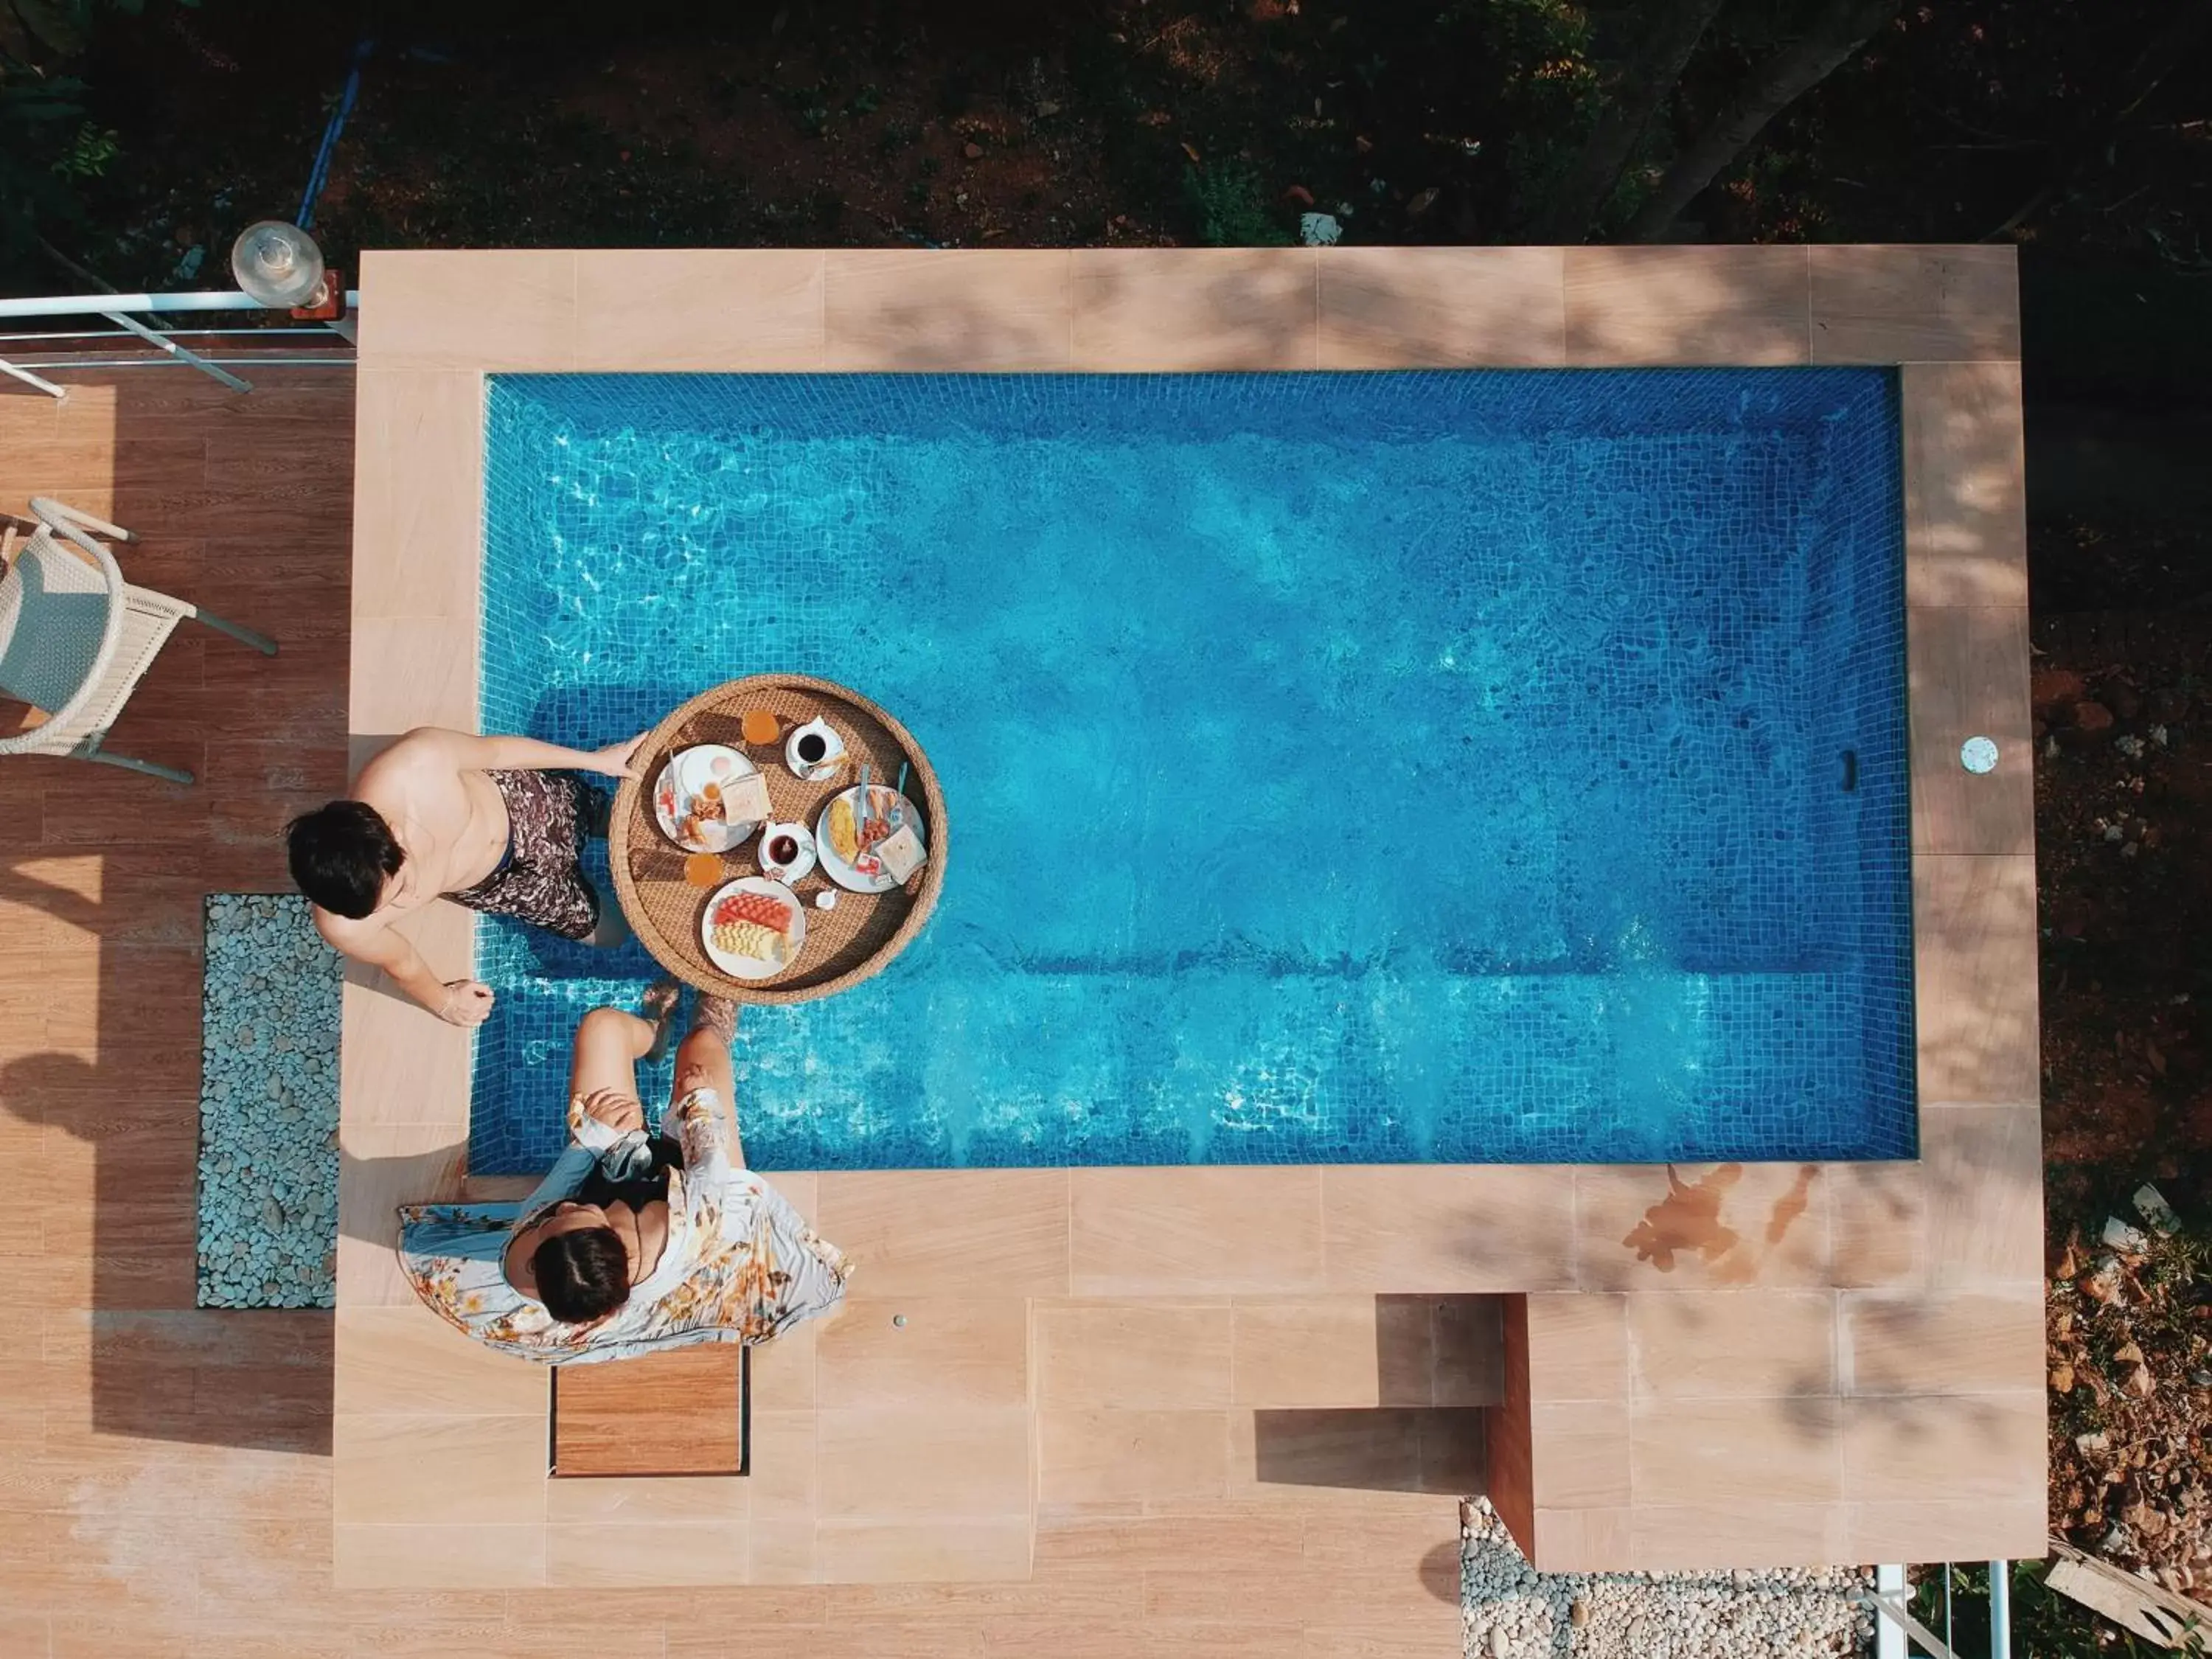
{"x": 277, "y": 264}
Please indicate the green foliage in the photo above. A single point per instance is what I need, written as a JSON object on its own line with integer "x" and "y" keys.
{"x": 2045, "y": 1625}
{"x": 89, "y": 153}
{"x": 1231, "y": 207}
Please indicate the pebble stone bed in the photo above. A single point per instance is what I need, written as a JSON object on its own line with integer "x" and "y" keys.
{"x": 269, "y": 1107}
{"x": 1513, "y": 1611}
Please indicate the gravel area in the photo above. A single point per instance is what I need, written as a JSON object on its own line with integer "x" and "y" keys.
{"x": 1514, "y": 1611}
{"x": 269, "y": 1107}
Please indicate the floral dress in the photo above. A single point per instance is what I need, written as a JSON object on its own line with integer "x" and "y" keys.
{"x": 740, "y": 1264}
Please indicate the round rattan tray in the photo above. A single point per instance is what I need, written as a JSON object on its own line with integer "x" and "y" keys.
{"x": 844, "y": 946}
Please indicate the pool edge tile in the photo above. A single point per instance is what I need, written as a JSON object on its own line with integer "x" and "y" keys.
{"x": 1965, "y": 499}
{"x": 482, "y": 309}
{"x": 1195, "y": 310}
{"x": 1439, "y": 308}
{"x": 418, "y": 498}
{"x": 1967, "y": 670}
{"x": 1975, "y": 984}
{"x": 1888, "y": 303}
{"x": 727, "y": 310}
{"x": 1687, "y": 305}
{"x": 947, "y": 310}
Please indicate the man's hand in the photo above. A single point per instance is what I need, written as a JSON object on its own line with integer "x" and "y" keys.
{"x": 468, "y": 1002}
{"x": 614, "y": 759}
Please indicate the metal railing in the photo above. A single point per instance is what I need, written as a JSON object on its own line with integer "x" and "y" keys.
{"x": 1896, "y": 1633}
{"x": 52, "y": 352}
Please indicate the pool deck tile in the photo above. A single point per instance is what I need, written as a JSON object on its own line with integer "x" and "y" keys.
{"x": 1339, "y": 1352}
{"x": 1974, "y": 944}
{"x": 1968, "y": 669}
{"x": 949, "y": 1232}
{"x": 481, "y": 310}
{"x": 947, "y": 1352}
{"x": 1694, "y": 305}
{"x": 1908, "y": 305}
{"x": 1965, "y": 498}
{"x": 383, "y": 1166}
{"x": 1987, "y": 1446}
{"x": 1457, "y": 1228}
{"x": 1683, "y": 1537}
{"x": 1187, "y": 309}
{"x": 1159, "y": 1310}
{"x": 1149, "y": 1354}
{"x": 968, "y": 309}
{"x": 1920, "y": 1529}
{"x": 1443, "y": 308}
{"x": 1877, "y": 1225}
{"x": 1644, "y": 1228}
{"x": 1752, "y": 1345}
{"x": 1993, "y": 1239}
{"x": 1947, "y": 1342}
{"x": 431, "y": 423}
{"x": 491, "y": 1470}
{"x": 1194, "y": 1231}
{"x": 767, "y": 313}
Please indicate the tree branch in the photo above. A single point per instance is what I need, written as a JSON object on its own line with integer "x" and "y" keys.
{"x": 1648, "y": 76}
{"x": 1840, "y": 28}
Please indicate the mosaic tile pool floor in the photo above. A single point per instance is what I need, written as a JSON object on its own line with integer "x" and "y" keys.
{"x": 1465, "y": 766}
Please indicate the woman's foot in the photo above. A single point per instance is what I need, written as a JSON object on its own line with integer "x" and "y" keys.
{"x": 662, "y": 998}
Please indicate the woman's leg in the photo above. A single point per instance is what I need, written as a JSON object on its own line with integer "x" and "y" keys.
{"x": 703, "y": 1061}
{"x": 609, "y": 1043}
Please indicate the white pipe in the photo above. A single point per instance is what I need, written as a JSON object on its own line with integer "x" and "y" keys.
{"x": 178, "y": 351}
{"x": 55, "y": 365}
{"x": 29, "y": 379}
{"x": 1889, "y": 1638}
{"x": 68, "y": 304}
{"x": 2000, "y": 1610}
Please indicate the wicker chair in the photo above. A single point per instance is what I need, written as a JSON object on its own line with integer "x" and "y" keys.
{"x": 76, "y": 639}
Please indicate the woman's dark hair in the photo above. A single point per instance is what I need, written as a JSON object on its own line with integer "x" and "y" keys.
{"x": 342, "y": 855}
{"x": 582, "y": 1274}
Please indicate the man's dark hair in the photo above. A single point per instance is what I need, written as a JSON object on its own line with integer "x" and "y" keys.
{"x": 342, "y": 855}
{"x": 582, "y": 1274}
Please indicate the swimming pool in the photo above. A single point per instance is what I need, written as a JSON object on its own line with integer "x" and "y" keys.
{"x": 1462, "y": 766}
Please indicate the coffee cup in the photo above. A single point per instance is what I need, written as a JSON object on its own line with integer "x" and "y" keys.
{"x": 814, "y": 750}
{"x": 787, "y": 851}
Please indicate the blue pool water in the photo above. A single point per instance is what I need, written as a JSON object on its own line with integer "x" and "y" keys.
{"x": 1342, "y": 768}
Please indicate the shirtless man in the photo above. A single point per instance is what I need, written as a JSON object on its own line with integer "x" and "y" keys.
{"x": 485, "y": 822}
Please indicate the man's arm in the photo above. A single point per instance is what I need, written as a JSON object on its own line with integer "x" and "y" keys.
{"x": 466, "y": 751}
{"x": 460, "y": 1002}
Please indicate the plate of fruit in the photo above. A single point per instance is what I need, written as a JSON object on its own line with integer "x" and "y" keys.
{"x": 701, "y": 800}
{"x": 753, "y": 928}
{"x": 870, "y": 850}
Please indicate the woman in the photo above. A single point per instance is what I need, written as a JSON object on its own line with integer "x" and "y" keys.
{"x": 634, "y": 1243}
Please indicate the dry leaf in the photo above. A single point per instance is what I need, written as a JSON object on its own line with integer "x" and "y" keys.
{"x": 2128, "y": 1354}
{"x": 2157, "y": 1059}
{"x": 1424, "y": 202}
{"x": 1191, "y": 150}
{"x": 2139, "y": 1382}
{"x": 2062, "y": 1379}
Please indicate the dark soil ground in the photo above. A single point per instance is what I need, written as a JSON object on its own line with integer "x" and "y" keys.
{"x": 2123, "y": 703}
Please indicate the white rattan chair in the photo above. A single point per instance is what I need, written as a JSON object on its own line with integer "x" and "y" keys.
{"x": 76, "y": 639}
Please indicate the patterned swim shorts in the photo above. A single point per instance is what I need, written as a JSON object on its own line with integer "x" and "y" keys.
{"x": 541, "y": 881}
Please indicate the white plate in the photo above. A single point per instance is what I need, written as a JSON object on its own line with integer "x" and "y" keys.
{"x": 882, "y": 797}
{"x": 669, "y": 805}
{"x": 738, "y": 967}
